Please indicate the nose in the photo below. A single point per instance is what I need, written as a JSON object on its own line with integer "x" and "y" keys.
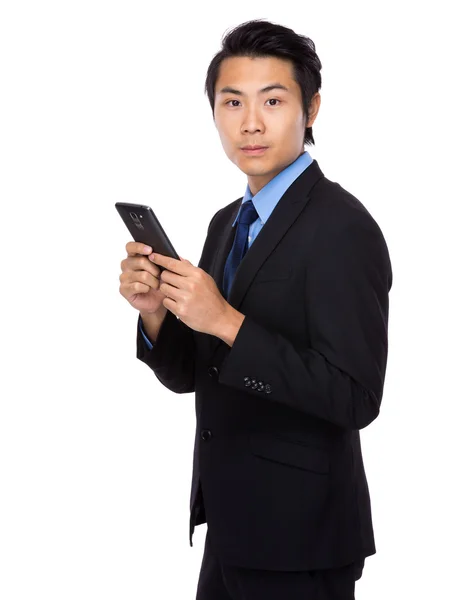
{"x": 252, "y": 122}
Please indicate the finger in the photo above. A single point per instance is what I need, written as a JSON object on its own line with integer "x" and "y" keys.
{"x": 171, "y": 292}
{"x": 140, "y": 263}
{"x": 135, "y": 248}
{"x": 142, "y": 277}
{"x": 174, "y": 279}
{"x": 177, "y": 266}
{"x": 171, "y": 305}
{"x": 136, "y": 287}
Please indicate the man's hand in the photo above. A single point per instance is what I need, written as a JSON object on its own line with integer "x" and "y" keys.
{"x": 139, "y": 280}
{"x": 192, "y": 295}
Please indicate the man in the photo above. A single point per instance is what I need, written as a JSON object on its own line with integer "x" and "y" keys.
{"x": 281, "y": 332}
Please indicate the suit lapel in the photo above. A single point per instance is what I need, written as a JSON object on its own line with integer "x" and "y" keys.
{"x": 223, "y": 250}
{"x": 284, "y": 214}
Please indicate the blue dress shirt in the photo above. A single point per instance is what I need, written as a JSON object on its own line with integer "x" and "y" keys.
{"x": 264, "y": 202}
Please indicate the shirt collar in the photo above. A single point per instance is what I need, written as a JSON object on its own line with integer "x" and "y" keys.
{"x": 266, "y": 198}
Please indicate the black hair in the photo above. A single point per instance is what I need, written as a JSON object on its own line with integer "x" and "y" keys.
{"x": 260, "y": 38}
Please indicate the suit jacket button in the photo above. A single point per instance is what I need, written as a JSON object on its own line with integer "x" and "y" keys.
{"x": 268, "y": 389}
{"x": 260, "y": 387}
{"x": 213, "y": 371}
{"x": 247, "y": 381}
{"x": 205, "y": 435}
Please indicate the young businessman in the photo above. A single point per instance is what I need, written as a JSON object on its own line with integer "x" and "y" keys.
{"x": 281, "y": 332}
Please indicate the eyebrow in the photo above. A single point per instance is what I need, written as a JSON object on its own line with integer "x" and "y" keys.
{"x": 274, "y": 86}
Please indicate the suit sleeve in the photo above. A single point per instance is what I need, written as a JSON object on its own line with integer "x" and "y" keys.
{"x": 145, "y": 337}
{"x": 339, "y": 375}
{"x": 172, "y": 356}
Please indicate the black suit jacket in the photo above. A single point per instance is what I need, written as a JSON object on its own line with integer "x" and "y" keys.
{"x": 278, "y": 472}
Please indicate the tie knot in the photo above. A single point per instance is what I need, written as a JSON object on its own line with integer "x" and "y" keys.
{"x": 248, "y": 213}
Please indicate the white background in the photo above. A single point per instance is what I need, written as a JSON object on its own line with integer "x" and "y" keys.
{"x": 103, "y": 102}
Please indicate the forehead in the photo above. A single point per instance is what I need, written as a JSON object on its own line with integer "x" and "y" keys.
{"x": 250, "y": 74}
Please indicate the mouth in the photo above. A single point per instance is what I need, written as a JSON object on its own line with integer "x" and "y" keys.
{"x": 254, "y": 150}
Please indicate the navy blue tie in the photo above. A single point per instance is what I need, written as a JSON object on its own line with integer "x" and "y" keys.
{"x": 247, "y": 216}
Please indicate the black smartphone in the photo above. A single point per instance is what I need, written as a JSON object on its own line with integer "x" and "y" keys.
{"x": 144, "y": 227}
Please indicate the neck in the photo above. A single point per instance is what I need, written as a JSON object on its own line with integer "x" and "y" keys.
{"x": 257, "y": 182}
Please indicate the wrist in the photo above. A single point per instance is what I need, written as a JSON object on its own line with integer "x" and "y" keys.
{"x": 229, "y": 325}
{"x": 160, "y": 312}
{"x": 152, "y": 322}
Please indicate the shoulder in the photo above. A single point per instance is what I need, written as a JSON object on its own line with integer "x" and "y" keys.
{"x": 343, "y": 225}
{"x": 338, "y": 208}
{"x": 339, "y": 214}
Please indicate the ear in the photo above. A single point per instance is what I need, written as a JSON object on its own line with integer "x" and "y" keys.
{"x": 313, "y": 109}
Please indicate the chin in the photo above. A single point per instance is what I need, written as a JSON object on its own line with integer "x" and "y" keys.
{"x": 253, "y": 170}
{"x": 253, "y": 165}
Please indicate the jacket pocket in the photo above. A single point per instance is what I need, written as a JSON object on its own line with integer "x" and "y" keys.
{"x": 290, "y": 453}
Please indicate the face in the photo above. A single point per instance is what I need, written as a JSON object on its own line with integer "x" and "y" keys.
{"x": 246, "y": 113}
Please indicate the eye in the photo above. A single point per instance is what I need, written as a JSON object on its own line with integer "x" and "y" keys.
{"x": 269, "y": 100}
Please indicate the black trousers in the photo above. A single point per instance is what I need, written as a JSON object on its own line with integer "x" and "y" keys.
{"x": 223, "y": 582}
